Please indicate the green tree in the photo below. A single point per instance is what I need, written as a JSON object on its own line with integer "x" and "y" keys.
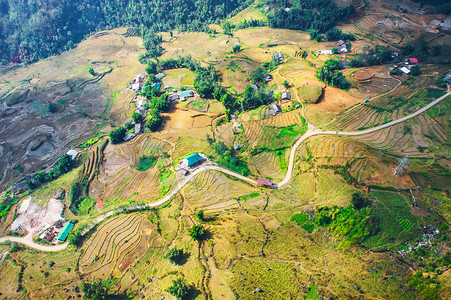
{"x": 197, "y": 232}
{"x": 359, "y": 201}
{"x": 415, "y": 71}
{"x": 178, "y": 289}
{"x": 117, "y": 135}
{"x": 286, "y": 84}
{"x": 91, "y": 71}
{"x": 236, "y": 48}
{"x": 154, "y": 121}
{"x": 200, "y": 215}
{"x": 137, "y": 117}
{"x": 174, "y": 255}
{"x": 259, "y": 75}
{"x": 95, "y": 290}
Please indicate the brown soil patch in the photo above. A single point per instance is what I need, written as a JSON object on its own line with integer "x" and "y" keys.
{"x": 332, "y": 103}
{"x": 363, "y": 74}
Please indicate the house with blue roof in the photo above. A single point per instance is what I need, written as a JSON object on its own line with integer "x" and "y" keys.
{"x": 192, "y": 160}
{"x": 62, "y": 236}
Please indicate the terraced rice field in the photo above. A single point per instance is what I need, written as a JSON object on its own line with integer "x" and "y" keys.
{"x": 268, "y": 164}
{"x": 185, "y": 146}
{"x": 119, "y": 181}
{"x": 214, "y": 192}
{"x": 253, "y": 130}
{"x": 116, "y": 245}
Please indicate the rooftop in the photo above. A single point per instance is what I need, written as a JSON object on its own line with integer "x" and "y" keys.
{"x": 192, "y": 159}
{"x": 186, "y": 94}
{"x": 62, "y": 236}
{"x": 264, "y": 182}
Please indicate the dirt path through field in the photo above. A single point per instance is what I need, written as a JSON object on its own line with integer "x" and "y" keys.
{"x": 312, "y": 131}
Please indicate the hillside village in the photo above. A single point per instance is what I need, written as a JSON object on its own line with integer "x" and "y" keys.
{"x": 251, "y": 159}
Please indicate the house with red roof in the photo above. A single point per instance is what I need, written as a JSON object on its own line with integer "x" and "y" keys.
{"x": 412, "y": 60}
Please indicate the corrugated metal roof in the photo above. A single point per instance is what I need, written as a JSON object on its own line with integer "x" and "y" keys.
{"x": 192, "y": 159}
{"x": 186, "y": 94}
{"x": 62, "y": 236}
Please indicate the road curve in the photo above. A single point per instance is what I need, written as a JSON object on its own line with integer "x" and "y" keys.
{"x": 311, "y": 131}
{"x": 29, "y": 243}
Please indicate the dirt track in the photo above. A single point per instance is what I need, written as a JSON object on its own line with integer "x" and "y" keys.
{"x": 310, "y": 132}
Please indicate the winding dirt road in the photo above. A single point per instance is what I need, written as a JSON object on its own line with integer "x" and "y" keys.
{"x": 311, "y": 131}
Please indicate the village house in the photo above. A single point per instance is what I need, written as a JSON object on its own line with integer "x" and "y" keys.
{"x": 192, "y": 160}
{"x": 174, "y": 97}
{"x": 278, "y": 56}
{"x": 159, "y": 76}
{"x": 185, "y": 94}
{"x": 138, "y": 128}
{"x": 447, "y": 78}
{"x": 286, "y": 96}
{"x": 128, "y": 137}
{"x": 62, "y": 236}
{"x": 72, "y": 153}
{"x": 274, "y": 109}
{"x": 141, "y": 103}
{"x": 268, "y": 77}
{"x": 411, "y": 60}
{"x": 325, "y": 52}
{"x": 404, "y": 70}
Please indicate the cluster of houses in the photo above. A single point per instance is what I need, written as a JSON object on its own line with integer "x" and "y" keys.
{"x": 342, "y": 47}
{"x": 405, "y": 65}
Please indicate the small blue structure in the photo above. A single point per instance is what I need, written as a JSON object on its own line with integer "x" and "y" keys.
{"x": 192, "y": 159}
{"x": 156, "y": 85}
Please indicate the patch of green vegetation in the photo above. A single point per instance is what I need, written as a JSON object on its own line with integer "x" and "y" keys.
{"x": 6, "y": 205}
{"x": 85, "y": 206}
{"x": 62, "y": 102}
{"x": 91, "y": 142}
{"x": 146, "y": 162}
{"x": 305, "y": 221}
{"x": 248, "y": 196}
{"x": 312, "y": 293}
{"x": 396, "y": 223}
{"x": 354, "y": 225}
{"x": 293, "y": 130}
{"x": 310, "y": 93}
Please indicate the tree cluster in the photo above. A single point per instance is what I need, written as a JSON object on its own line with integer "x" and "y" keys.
{"x": 308, "y": 14}
{"x": 64, "y": 165}
{"x": 330, "y": 75}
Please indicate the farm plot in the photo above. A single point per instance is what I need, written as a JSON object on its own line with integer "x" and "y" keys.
{"x": 270, "y": 164}
{"x": 254, "y": 130}
{"x": 116, "y": 244}
{"x": 214, "y": 192}
{"x": 178, "y": 77}
{"x": 119, "y": 182}
{"x": 279, "y": 137}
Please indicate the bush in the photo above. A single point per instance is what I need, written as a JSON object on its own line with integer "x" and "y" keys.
{"x": 174, "y": 255}
{"x": 178, "y": 289}
{"x": 91, "y": 71}
{"x": 117, "y": 135}
{"x": 95, "y": 290}
{"x": 137, "y": 117}
{"x": 200, "y": 215}
{"x": 359, "y": 201}
{"x": 197, "y": 232}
